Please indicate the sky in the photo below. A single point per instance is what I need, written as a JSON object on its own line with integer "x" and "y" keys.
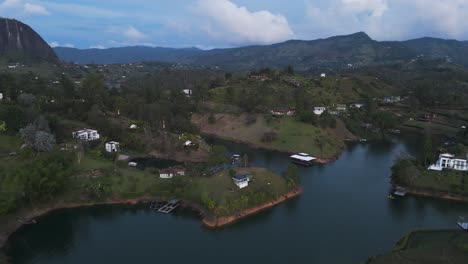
{"x": 208, "y": 24}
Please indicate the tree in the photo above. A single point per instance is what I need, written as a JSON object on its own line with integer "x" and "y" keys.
{"x": 68, "y": 87}
{"x": 2, "y": 126}
{"x": 292, "y": 176}
{"x": 217, "y": 155}
{"x": 289, "y": 70}
{"x": 384, "y": 121}
{"x": 427, "y": 148}
{"x": 26, "y": 99}
{"x": 37, "y": 136}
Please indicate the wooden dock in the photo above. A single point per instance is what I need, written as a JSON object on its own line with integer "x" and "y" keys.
{"x": 400, "y": 191}
{"x": 170, "y": 206}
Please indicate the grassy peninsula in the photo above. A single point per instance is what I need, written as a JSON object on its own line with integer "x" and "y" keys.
{"x": 426, "y": 247}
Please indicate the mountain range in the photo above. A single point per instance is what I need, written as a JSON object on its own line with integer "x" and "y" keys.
{"x": 20, "y": 41}
{"x": 335, "y": 53}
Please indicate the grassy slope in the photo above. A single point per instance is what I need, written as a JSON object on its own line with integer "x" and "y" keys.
{"x": 427, "y": 247}
{"x": 293, "y": 136}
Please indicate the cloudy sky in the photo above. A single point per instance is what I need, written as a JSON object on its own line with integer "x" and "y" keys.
{"x": 229, "y": 23}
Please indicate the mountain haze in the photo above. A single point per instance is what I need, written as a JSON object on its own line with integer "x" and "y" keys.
{"x": 19, "y": 41}
{"x": 335, "y": 53}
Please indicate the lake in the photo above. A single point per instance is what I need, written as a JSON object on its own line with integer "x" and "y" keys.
{"x": 343, "y": 216}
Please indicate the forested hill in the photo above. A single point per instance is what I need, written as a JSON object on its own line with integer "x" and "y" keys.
{"x": 337, "y": 52}
{"x": 19, "y": 41}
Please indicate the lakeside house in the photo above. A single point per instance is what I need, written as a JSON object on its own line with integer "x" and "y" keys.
{"x": 356, "y": 106}
{"x": 280, "y": 112}
{"x": 449, "y": 161}
{"x": 318, "y": 110}
{"x": 86, "y": 134}
{"x": 169, "y": 173}
{"x": 241, "y": 181}
{"x": 112, "y": 146}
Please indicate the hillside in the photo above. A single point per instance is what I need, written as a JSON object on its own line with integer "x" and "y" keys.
{"x": 19, "y": 41}
{"x": 336, "y": 53}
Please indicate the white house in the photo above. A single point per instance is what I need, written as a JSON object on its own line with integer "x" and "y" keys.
{"x": 1, "y": 96}
{"x": 112, "y": 146}
{"x": 171, "y": 172}
{"x": 241, "y": 181}
{"x": 189, "y": 143}
{"x": 133, "y": 126}
{"x": 356, "y": 106}
{"x": 187, "y": 92}
{"x": 86, "y": 135}
{"x": 319, "y": 110}
{"x": 323, "y": 75}
{"x": 449, "y": 161}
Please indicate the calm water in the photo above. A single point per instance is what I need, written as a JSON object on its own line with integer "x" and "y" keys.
{"x": 344, "y": 216}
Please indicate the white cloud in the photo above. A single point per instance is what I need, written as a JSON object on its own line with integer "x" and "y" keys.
{"x": 97, "y": 47}
{"x": 134, "y": 35}
{"x": 82, "y": 10}
{"x": 224, "y": 20}
{"x": 387, "y": 19}
{"x": 33, "y": 9}
{"x": 54, "y": 44}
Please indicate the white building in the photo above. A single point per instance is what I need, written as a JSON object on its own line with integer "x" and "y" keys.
{"x": 86, "y": 135}
{"x": 241, "y": 181}
{"x": 356, "y": 106}
{"x": 171, "y": 172}
{"x": 1, "y": 96}
{"x": 319, "y": 110}
{"x": 323, "y": 75}
{"x": 187, "y": 92}
{"x": 112, "y": 146}
{"x": 449, "y": 161}
{"x": 133, "y": 126}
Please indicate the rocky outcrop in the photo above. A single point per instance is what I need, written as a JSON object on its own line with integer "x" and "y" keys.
{"x": 18, "y": 40}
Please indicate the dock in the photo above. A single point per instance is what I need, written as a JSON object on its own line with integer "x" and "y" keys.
{"x": 400, "y": 191}
{"x": 462, "y": 223}
{"x": 170, "y": 206}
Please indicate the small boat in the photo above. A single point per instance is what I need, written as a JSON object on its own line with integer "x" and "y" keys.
{"x": 391, "y": 197}
{"x": 363, "y": 140}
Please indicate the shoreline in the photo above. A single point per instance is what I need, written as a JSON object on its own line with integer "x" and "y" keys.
{"x": 216, "y": 222}
{"x": 261, "y": 147}
{"x": 434, "y": 194}
{"x": 208, "y": 220}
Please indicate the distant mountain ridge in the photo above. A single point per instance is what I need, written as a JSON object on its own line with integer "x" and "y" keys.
{"x": 20, "y": 41}
{"x": 336, "y": 52}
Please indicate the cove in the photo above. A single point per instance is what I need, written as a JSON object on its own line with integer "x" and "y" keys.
{"x": 343, "y": 216}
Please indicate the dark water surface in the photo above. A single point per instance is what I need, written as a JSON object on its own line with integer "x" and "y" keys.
{"x": 344, "y": 216}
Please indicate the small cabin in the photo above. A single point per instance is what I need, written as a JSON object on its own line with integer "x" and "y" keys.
{"x": 112, "y": 146}
{"x": 242, "y": 181}
{"x": 86, "y": 135}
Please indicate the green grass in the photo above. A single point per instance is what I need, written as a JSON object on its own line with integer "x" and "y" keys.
{"x": 433, "y": 127}
{"x": 301, "y": 137}
{"x": 9, "y": 144}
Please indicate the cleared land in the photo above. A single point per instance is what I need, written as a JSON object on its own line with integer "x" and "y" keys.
{"x": 291, "y": 135}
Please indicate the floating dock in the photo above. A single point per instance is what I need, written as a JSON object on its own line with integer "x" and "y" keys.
{"x": 170, "y": 206}
{"x": 400, "y": 191}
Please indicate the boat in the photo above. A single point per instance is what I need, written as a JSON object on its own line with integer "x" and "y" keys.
{"x": 303, "y": 159}
{"x": 235, "y": 159}
{"x": 391, "y": 197}
{"x": 363, "y": 140}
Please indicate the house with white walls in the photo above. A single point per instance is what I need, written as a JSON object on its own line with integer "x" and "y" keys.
{"x": 86, "y": 134}
{"x": 449, "y": 161}
{"x": 318, "y": 110}
{"x": 112, "y": 146}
